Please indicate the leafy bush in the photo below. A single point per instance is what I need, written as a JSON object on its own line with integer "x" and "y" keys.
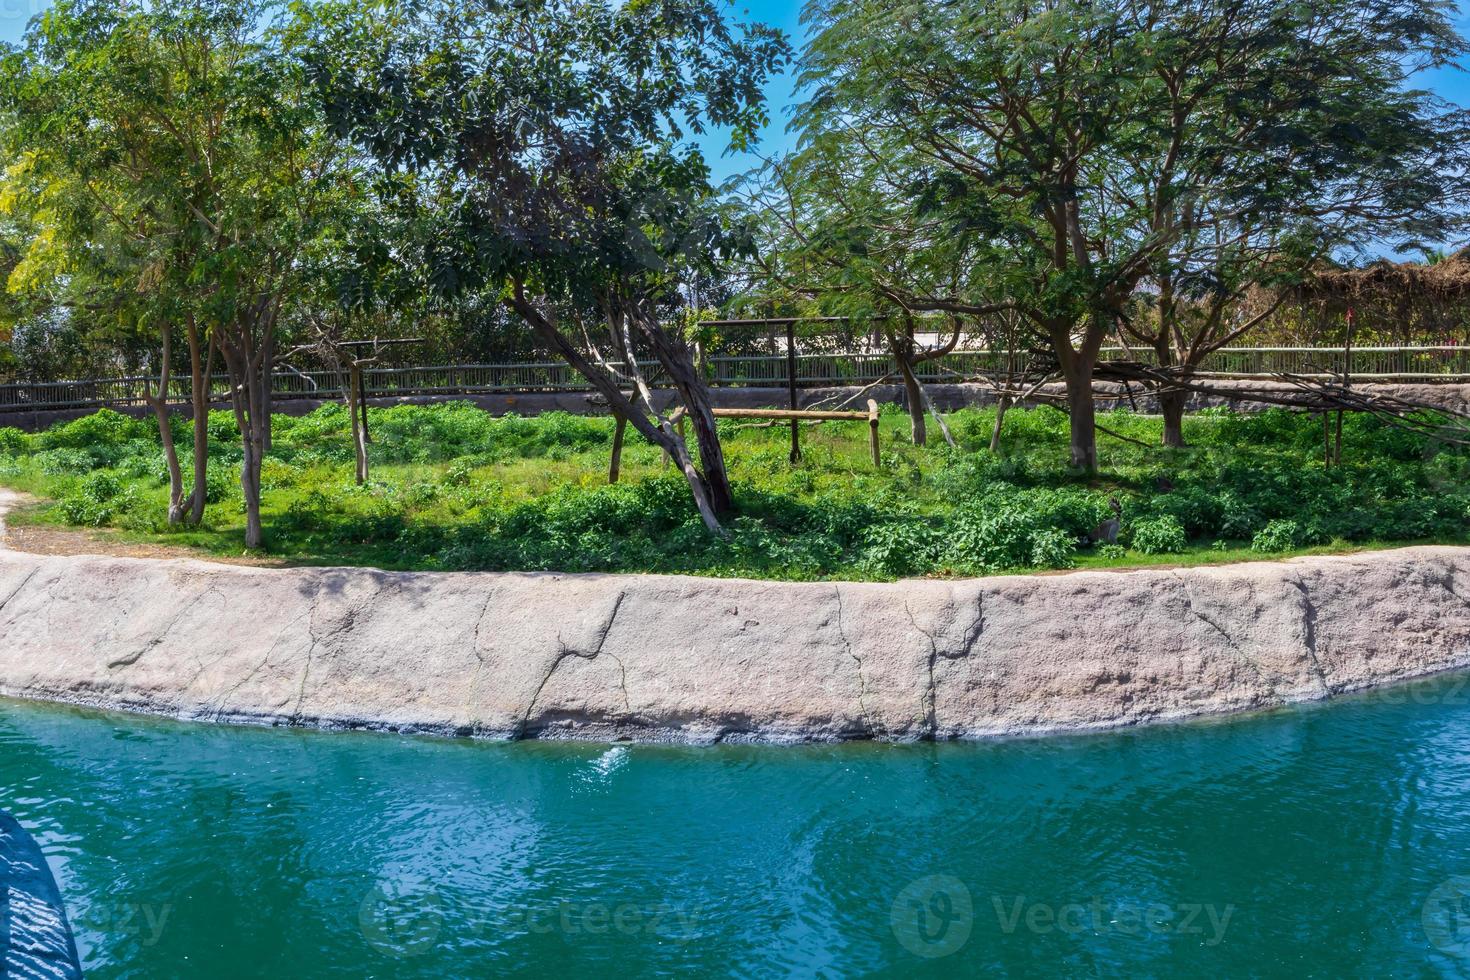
{"x": 63, "y": 462}
{"x": 1010, "y": 538}
{"x": 896, "y": 549}
{"x": 99, "y": 429}
{"x": 1280, "y": 535}
{"x": 454, "y": 487}
{"x": 1052, "y": 548}
{"x": 14, "y": 442}
{"x": 1160, "y": 536}
{"x": 94, "y": 502}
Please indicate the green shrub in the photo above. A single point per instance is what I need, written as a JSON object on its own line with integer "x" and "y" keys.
{"x": 98, "y": 430}
{"x": 63, "y": 462}
{"x": 101, "y": 487}
{"x": 459, "y": 473}
{"x": 1279, "y": 535}
{"x": 980, "y": 541}
{"x": 1053, "y": 548}
{"x": 221, "y": 484}
{"x": 896, "y": 549}
{"x": 14, "y": 442}
{"x": 1160, "y": 536}
{"x": 452, "y": 488}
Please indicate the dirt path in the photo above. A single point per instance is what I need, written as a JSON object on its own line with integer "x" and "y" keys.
{"x": 51, "y": 540}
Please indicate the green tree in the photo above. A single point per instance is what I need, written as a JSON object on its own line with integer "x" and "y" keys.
{"x": 1072, "y": 146}
{"x": 549, "y": 142}
{"x": 172, "y": 147}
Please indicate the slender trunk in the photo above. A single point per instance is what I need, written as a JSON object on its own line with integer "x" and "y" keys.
{"x": 913, "y": 395}
{"x": 359, "y": 431}
{"x": 268, "y": 391}
{"x": 1001, "y": 407}
{"x": 1077, "y": 372}
{"x": 696, "y": 398}
{"x": 614, "y": 470}
{"x": 176, "y": 503}
{"x": 201, "y": 371}
{"x": 159, "y": 404}
{"x": 641, "y": 416}
{"x": 253, "y": 439}
{"x": 695, "y": 395}
{"x": 1171, "y": 403}
{"x": 248, "y": 385}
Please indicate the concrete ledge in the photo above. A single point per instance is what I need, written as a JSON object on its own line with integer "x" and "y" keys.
{"x": 654, "y": 658}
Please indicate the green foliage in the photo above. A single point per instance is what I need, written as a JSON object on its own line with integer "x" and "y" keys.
{"x": 1277, "y": 536}
{"x": 468, "y": 491}
{"x": 981, "y": 541}
{"x": 95, "y": 501}
{"x": 1160, "y": 536}
{"x": 13, "y": 442}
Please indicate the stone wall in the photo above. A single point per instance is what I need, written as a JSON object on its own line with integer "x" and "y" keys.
{"x": 667, "y": 658}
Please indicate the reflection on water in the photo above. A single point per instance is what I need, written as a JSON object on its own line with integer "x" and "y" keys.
{"x": 1316, "y": 841}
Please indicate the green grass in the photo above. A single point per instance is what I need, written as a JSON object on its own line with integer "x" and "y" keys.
{"x": 456, "y": 489}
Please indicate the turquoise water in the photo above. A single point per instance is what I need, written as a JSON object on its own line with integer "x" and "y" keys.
{"x": 1320, "y": 841}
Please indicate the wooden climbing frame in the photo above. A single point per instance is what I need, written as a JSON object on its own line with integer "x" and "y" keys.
{"x": 770, "y": 414}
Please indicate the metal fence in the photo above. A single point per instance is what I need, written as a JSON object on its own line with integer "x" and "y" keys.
{"x": 1441, "y": 364}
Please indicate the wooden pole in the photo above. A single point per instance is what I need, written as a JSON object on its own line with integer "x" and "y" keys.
{"x": 791, "y": 391}
{"x": 367, "y": 436}
{"x": 873, "y": 432}
{"x": 1347, "y": 381}
{"x": 1327, "y": 440}
{"x": 359, "y": 423}
{"x": 617, "y": 451}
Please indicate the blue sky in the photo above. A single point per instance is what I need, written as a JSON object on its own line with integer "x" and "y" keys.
{"x": 1451, "y": 84}
{"x": 785, "y": 14}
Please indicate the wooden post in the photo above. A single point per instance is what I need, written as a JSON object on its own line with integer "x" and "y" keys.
{"x": 367, "y": 436}
{"x": 791, "y": 391}
{"x": 873, "y": 432}
{"x": 617, "y": 451}
{"x": 359, "y": 421}
{"x": 1347, "y": 382}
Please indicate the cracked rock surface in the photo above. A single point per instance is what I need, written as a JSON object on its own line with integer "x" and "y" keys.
{"x": 651, "y": 657}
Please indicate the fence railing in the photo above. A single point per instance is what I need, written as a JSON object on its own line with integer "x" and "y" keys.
{"x": 812, "y": 370}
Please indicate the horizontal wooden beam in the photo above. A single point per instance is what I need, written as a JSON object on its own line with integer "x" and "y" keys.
{"x": 810, "y": 415}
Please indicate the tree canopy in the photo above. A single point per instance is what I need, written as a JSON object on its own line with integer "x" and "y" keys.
{"x": 1061, "y": 156}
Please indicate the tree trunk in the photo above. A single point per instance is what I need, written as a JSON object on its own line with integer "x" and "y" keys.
{"x": 248, "y": 405}
{"x": 711, "y": 454}
{"x": 249, "y": 373}
{"x": 159, "y": 404}
{"x": 694, "y": 393}
{"x": 176, "y": 502}
{"x": 359, "y": 431}
{"x": 201, "y": 370}
{"x": 1171, "y": 403}
{"x": 1001, "y": 407}
{"x": 1077, "y": 371}
{"x": 710, "y": 502}
{"x": 913, "y": 396}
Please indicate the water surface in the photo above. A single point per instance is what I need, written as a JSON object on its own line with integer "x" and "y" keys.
{"x": 1319, "y": 841}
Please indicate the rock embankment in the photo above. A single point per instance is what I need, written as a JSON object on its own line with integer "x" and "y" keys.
{"x": 645, "y": 657}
